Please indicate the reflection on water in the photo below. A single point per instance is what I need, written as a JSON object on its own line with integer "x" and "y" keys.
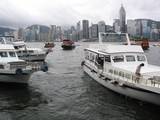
{"x": 66, "y": 92}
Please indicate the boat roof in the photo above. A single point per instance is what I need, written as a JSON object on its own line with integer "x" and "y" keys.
{"x": 6, "y": 47}
{"x": 110, "y": 49}
{"x": 19, "y": 43}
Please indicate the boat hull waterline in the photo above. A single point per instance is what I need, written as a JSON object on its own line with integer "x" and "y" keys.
{"x": 14, "y": 78}
{"x": 129, "y": 91}
{"x": 65, "y": 47}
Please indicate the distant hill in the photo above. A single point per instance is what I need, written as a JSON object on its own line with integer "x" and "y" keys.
{"x": 42, "y": 28}
{"x": 3, "y": 30}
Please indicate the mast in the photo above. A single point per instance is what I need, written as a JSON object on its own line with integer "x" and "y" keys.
{"x": 128, "y": 40}
{"x": 100, "y": 37}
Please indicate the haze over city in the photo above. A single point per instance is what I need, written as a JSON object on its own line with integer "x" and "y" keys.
{"x": 20, "y": 13}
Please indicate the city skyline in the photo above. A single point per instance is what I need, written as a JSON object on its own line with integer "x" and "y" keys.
{"x": 18, "y": 13}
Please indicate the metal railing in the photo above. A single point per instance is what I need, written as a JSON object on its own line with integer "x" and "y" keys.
{"x": 35, "y": 66}
{"x": 146, "y": 80}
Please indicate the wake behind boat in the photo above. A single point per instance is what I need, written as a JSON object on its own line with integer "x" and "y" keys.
{"x": 123, "y": 69}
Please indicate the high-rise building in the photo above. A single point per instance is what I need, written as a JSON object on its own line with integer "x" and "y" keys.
{"x": 85, "y": 24}
{"x": 101, "y": 26}
{"x": 59, "y": 33}
{"x": 131, "y": 27}
{"x": 109, "y": 28}
{"x": 53, "y": 32}
{"x": 94, "y": 31}
{"x": 122, "y": 17}
{"x": 116, "y": 25}
{"x": 78, "y": 29}
{"x": 20, "y": 34}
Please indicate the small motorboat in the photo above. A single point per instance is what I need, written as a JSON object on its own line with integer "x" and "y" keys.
{"x": 68, "y": 44}
{"x": 49, "y": 45}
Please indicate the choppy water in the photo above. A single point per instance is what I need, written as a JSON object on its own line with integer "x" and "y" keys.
{"x": 65, "y": 92}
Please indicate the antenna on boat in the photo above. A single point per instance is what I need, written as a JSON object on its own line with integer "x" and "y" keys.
{"x": 128, "y": 40}
{"x": 100, "y": 37}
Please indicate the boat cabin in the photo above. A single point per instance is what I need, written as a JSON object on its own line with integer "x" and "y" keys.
{"x": 7, "y": 53}
{"x": 104, "y": 56}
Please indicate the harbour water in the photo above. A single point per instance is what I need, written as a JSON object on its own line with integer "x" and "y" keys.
{"x": 65, "y": 92}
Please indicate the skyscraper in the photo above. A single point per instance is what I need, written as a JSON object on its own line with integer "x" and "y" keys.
{"x": 94, "y": 31}
{"x": 52, "y": 32}
{"x": 131, "y": 27}
{"x": 85, "y": 24}
{"x": 122, "y": 17}
{"x": 116, "y": 25}
{"x": 78, "y": 29}
{"x": 101, "y": 26}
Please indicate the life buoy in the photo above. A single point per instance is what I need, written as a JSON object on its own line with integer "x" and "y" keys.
{"x": 82, "y": 63}
{"x": 19, "y": 71}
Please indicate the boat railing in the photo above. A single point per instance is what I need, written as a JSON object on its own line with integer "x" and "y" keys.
{"x": 146, "y": 80}
{"x": 35, "y": 66}
{"x": 15, "y": 66}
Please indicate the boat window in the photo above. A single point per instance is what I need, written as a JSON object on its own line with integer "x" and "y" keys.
{"x": 1, "y": 67}
{"x": 18, "y": 52}
{"x": 25, "y": 51}
{"x": 3, "y": 54}
{"x": 141, "y": 58}
{"x": 121, "y": 73}
{"x": 31, "y": 51}
{"x": 87, "y": 55}
{"x": 115, "y": 72}
{"x": 128, "y": 76}
{"x": 119, "y": 58}
{"x": 92, "y": 57}
{"x": 110, "y": 71}
{"x": 130, "y": 58}
{"x": 12, "y": 54}
{"x": 107, "y": 58}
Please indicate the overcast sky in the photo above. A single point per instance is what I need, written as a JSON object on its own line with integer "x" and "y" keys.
{"x": 68, "y": 12}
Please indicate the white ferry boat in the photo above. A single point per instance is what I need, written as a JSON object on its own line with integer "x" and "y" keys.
{"x": 14, "y": 70}
{"x": 115, "y": 67}
{"x": 23, "y": 51}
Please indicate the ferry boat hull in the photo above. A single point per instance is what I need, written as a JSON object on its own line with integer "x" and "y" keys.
{"x": 67, "y": 47}
{"x": 126, "y": 90}
{"x": 14, "y": 78}
{"x": 68, "y": 44}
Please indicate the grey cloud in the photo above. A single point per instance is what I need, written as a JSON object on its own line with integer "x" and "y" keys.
{"x": 62, "y": 12}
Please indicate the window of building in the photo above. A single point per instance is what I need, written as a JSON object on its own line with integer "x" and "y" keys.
{"x": 12, "y": 54}
{"x": 130, "y": 58}
{"x": 141, "y": 58}
{"x": 118, "y": 58}
{"x": 3, "y": 54}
